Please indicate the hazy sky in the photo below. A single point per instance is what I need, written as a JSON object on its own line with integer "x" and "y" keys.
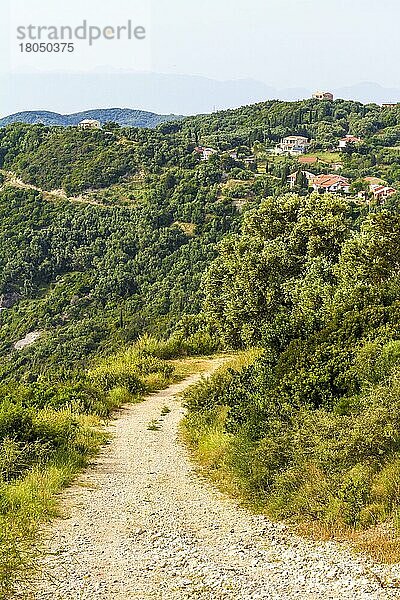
{"x": 283, "y": 43}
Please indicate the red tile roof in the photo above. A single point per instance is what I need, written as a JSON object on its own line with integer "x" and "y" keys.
{"x": 308, "y": 160}
{"x": 350, "y": 138}
{"x": 326, "y": 181}
{"x": 379, "y": 190}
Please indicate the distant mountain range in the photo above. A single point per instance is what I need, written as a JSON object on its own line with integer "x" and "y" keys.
{"x": 123, "y": 116}
{"x": 368, "y": 92}
{"x": 159, "y": 93}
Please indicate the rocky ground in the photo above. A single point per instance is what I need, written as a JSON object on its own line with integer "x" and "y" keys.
{"x": 141, "y": 523}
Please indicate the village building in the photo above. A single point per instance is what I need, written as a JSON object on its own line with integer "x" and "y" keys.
{"x": 330, "y": 183}
{"x": 293, "y": 177}
{"x": 323, "y": 96}
{"x": 249, "y": 160}
{"x": 205, "y": 153}
{"x": 378, "y": 191}
{"x": 89, "y": 124}
{"x": 293, "y": 144}
{"x": 381, "y": 192}
{"x": 348, "y": 139}
{"x": 390, "y": 105}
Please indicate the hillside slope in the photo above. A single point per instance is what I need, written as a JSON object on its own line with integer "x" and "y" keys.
{"x": 107, "y": 235}
{"x": 126, "y": 117}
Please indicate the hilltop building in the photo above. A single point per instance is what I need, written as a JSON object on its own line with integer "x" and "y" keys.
{"x": 323, "y": 96}
{"x": 89, "y": 124}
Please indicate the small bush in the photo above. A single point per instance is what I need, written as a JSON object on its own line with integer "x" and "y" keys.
{"x": 118, "y": 396}
{"x": 109, "y": 376}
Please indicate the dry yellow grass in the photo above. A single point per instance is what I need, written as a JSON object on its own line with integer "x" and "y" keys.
{"x": 188, "y": 229}
{"x": 183, "y": 367}
{"x": 381, "y": 542}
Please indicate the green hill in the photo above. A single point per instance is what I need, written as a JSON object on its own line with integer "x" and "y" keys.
{"x": 126, "y": 117}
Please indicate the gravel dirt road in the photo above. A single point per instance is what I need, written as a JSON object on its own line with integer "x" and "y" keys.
{"x": 140, "y": 523}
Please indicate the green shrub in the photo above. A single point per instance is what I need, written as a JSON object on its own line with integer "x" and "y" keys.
{"x": 302, "y": 463}
{"x": 376, "y": 360}
{"x": 118, "y": 396}
{"x": 110, "y": 376}
{"x": 355, "y": 493}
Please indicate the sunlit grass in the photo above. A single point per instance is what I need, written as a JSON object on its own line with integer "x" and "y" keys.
{"x": 324, "y": 156}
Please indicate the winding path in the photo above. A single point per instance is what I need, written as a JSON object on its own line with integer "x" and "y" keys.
{"x": 12, "y": 180}
{"x": 142, "y": 524}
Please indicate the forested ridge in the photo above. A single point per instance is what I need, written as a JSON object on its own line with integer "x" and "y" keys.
{"x": 147, "y": 252}
{"x": 123, "y": 116}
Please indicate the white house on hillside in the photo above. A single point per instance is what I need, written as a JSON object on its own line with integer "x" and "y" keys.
{"x": 381, "y": 192}
{"x": 293, "y": 144}
{"x": 205, "y": 153}
{"x": 89, "y": 124}
{"x": 323, "y": 96}
{"x": 330, "y": 183}
{"x": 348, "y": 139}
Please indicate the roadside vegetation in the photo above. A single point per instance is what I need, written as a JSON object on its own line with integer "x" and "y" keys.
{"x": 309, "y": 431}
